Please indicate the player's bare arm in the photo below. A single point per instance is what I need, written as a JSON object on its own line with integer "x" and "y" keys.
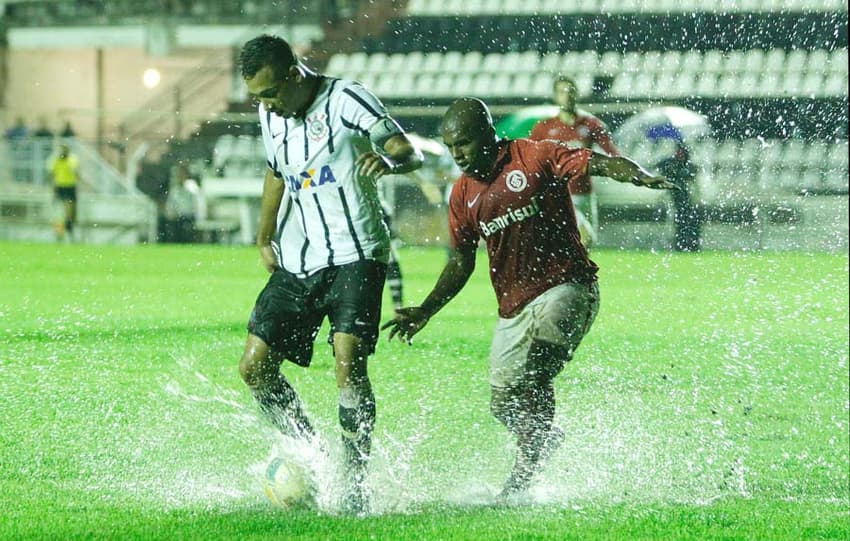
{"x": 399, "y": 156}
{"x": 269, "y": 205}
{"x": 623, "y": 169}
{"x": 409, "y": 321}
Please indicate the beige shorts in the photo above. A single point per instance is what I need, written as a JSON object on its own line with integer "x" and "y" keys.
{"x": 562, "y": 316}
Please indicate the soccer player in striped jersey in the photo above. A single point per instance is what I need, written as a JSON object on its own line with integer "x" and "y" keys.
{"x": 322, "y": 237}
{"x": 515, "y": 195}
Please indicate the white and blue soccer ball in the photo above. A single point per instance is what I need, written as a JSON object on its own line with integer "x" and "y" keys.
{"x": 288, "y": 484}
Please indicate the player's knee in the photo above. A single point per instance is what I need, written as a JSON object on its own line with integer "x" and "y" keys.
{"x": 503, "y": 407}
{"x": 546, "y": 360}
{"x": 256, "y": 371}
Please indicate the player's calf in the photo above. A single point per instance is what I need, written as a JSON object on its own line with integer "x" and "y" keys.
{"x": 357, "y": 420}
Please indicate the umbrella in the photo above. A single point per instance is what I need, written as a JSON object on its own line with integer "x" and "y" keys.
{"x": 520, "y": 123}
{"x": 653, "y": 134}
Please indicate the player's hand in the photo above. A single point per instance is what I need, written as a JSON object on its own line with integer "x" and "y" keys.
{"x": 371, "y": 164}
{"x": 268, "y": 257}
{"x": 406, "y": 323}
{"x": 656, "y": 182}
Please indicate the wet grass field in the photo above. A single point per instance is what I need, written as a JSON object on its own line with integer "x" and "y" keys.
{"x": 709, "y": 401}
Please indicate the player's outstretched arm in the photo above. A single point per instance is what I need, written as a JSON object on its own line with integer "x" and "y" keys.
{"x": 623, "y": 169}
{"x": 409, "y": 321}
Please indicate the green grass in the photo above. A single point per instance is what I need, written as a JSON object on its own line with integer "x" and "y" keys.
{"x": 709, "y": 401}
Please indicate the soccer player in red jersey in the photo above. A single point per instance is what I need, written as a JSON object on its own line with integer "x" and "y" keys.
{"x": 578, "y": 129}
{"x": 514, "y": 195}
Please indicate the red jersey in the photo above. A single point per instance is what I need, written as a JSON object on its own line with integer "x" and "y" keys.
{"x": 525, "y": 215}
{"x": 583, "y": 133}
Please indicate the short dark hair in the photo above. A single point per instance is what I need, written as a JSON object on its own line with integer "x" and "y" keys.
{"x": 265, "y": 51}
{"x": 563, "y": 79}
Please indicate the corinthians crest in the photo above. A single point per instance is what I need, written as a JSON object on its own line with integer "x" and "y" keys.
{"x": 317, "y": 126}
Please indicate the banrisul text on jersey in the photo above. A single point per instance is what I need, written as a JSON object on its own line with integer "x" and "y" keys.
{"x": 511, "y": 217}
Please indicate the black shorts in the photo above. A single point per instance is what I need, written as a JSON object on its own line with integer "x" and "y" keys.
{"x": 68, "y": 193}
{"x": 290, "y": 310}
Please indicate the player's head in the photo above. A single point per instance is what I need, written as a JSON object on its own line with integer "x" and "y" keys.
{"x": 64, "y": 151}
{"x": 468, "y": 132}
{"x": 273, "y": 75}
{"x": 566, "y": 93}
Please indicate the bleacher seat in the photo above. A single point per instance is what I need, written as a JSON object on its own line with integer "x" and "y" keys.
{"x": 683, "y": 85}
{"x": 542, "y": 85}
{"x": 795, "y": 61}
{"x": 432, "y": 63}
{"x": 670, "y": 62}
{"x": 651, "y": 62}
{"x": 713, "y": 61}
{"x": 501, "y": 84}
{"x": 414, "y": 62}
{"x": 770, "y": 85}
{"x": 753, "y": 61}
{"x": 735, "y": 62}
{"x": 472, "y": 62}
{"x": 397, "y": 62}
{"x": 811, "y": 84}
{"x": 522, "y": 85}
{"x": 706, "y": 85}
{"x": 774, "y": 60}
{"x": 792, "y": 83}
{"x": 337, "y": 63}
{"x": 453, "y": 62}
{"x": 377, "y": 63}
{"x": 609, "y": 63}
{"x": 463, "y": 83}
{"x": 748, "y": 84}
{"x": 835, "y": 84}
{"x": 691, "y": 61}
{"x": 493, "y": 63}
{"x": 622, "y": 85}
{"x": 444, "y": 85}
{"x": 838, "y": 61}
{"x": 425, "y": 83}
{"x": 357, "y": 62}
{"x": 631, "y": 62}
{"x": 551, "y": 62}
{"x": 482, "y": 85}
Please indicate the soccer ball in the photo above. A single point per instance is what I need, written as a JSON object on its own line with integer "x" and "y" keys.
{"x": 288, "y": 484}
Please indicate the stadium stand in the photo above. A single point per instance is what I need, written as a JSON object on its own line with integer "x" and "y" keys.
{"x": 771, "y": 76}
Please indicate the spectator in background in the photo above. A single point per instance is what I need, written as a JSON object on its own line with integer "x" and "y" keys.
{"x": 687, "y": 218}
{"x": 67, "y": 130}
{"x": 184, "y": 205}
{"x": 64, "y": 168}
{"x": 42, "y": 141}
{"x": 42, "y": 130}
{"x": 19, "y": 153}
{"x": 578, "y": 129}
{"x": 18, "y": 130}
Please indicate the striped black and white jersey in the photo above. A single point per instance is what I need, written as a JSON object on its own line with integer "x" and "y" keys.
{"x": 327, "y": 217}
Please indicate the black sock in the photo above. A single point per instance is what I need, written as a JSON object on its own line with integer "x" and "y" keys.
{"x": 357, "y": 424}
{"x": 394, "y": 282}
{"x": 280, "y": 404}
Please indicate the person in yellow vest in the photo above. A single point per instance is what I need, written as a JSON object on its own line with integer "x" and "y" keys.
{"x": 64, "y": 168}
